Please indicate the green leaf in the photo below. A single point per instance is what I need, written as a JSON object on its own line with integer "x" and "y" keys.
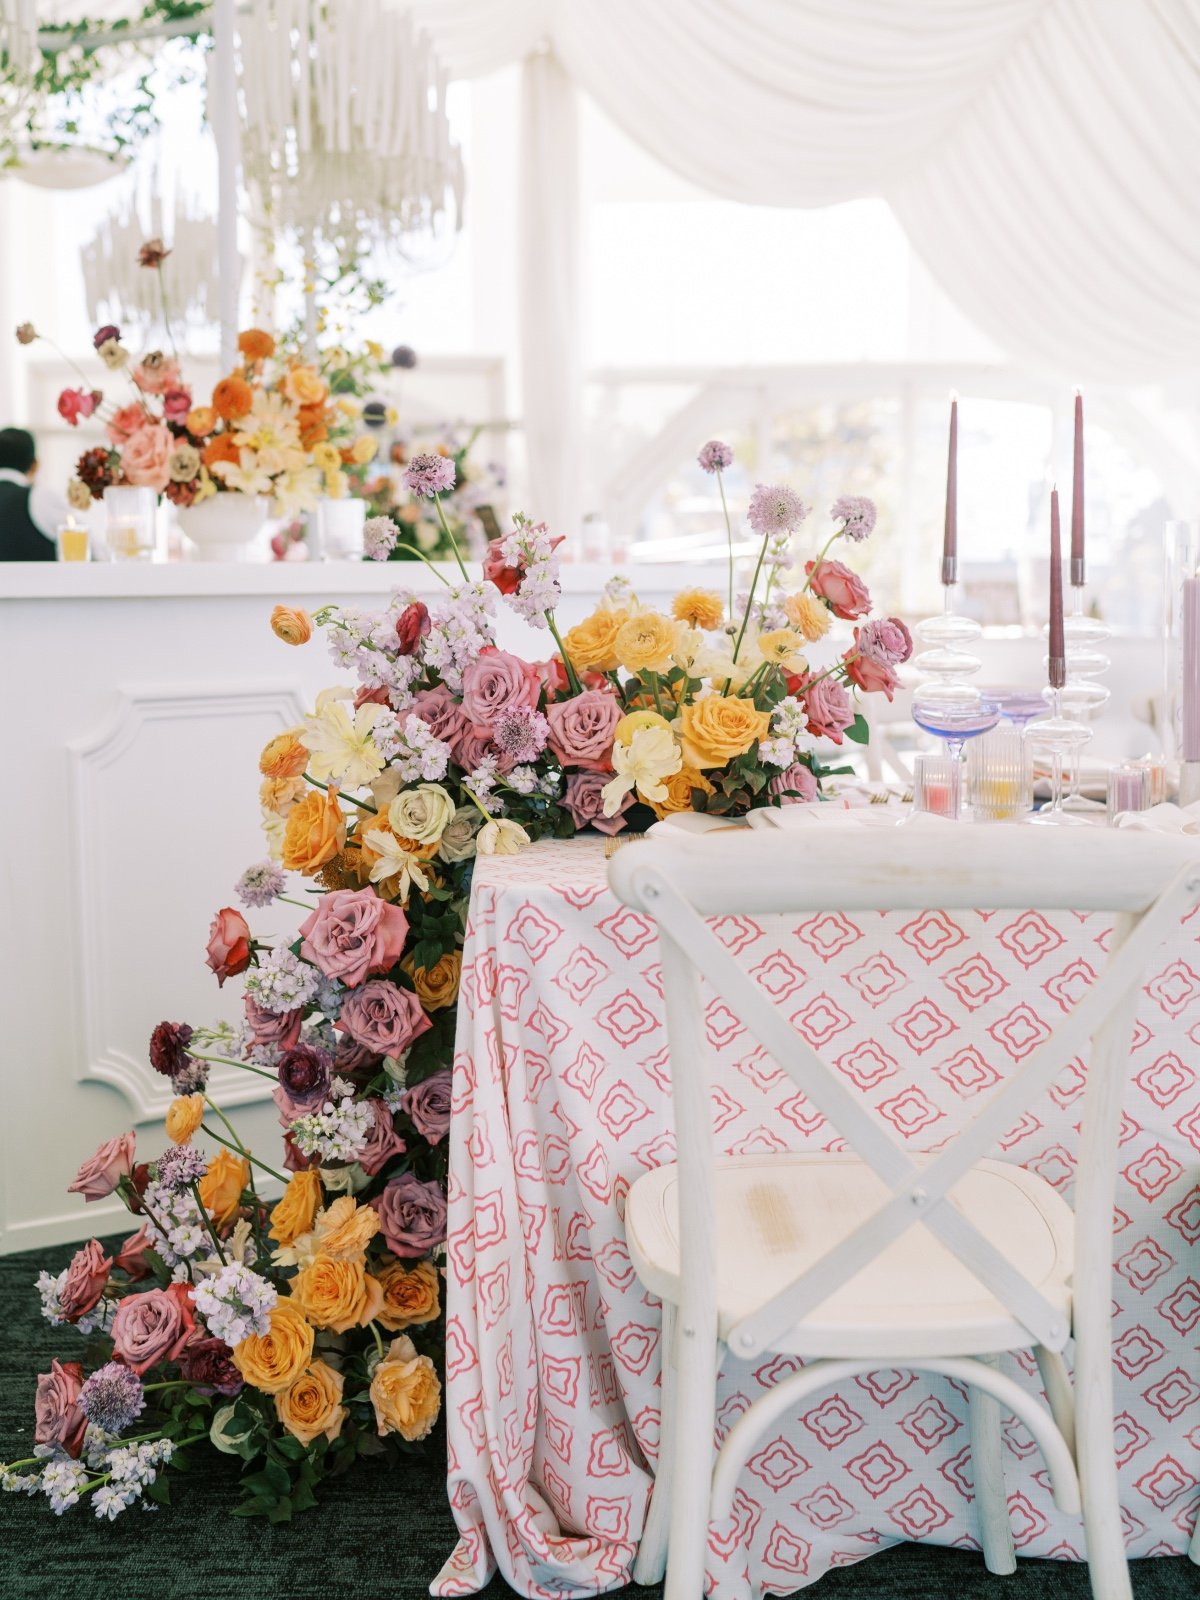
{"x": 281, "y": 1511}
{"x": 159, "y": 1491}
{"x": 858, "y": 730}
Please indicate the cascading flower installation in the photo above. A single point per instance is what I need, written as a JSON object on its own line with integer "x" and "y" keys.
{"x": 300, "y": 1334}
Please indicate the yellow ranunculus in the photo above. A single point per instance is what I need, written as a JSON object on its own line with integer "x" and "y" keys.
{"x": 782, "y": 648}
{"x": 337, "y": 485}
{"x": 364, "y": 449}
{"x": 345, "y": 1228}
{"x": 273, "y": 1360}
{"x": 284, "y": 756}
{"x": 411, "y": 1295}
{"x": 315, "y": 832}
{"x": 405, "y": 1392}
{"x": 437, "y": 986}
{"x": 326, "y": 456}
{"x": 221, "y": 1186}
{"x": 810, "y": 615}
{"x": 699, "y": 608}
{"x": 646, "y": 641}
{"x": 312, "y": 1405}
{"x": 632, "y": 721}
{"x": 337, "y": 1294}
{"x": 719, "y": 727}
{"x": 295, "y": 1211}
{"x": 679, "y": 788}
{"x": 184, "y": 1116}
{"x": 591, "y": 644}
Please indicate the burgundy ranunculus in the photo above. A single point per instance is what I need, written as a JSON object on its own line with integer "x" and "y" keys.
{"x": 411, "y": 627}
{"x": 281, "y": 1028}
{"x": 228, "y": 944}
{"x": 828, "y": 708}
{"x": 104, "y": 334}
{"x": 304, "y": 1073}
{"x": 382, "y": 1016}
{"x": 168, "y": 1048}
{"x": 58, "y": 1417}
{"x": 207, "y": 1363}
{"x": 412, "y": 1215}
{"x": 427, "y": 1105}
{"x": 85, "y": 1280}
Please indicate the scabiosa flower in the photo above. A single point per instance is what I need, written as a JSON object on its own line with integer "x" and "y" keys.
{"x": 260, "y": 884}
{"x": 715, "y": 456}
{"x": 379, "y": 537}
{"x": 235, "y": 1303}
{"x": 112, "y": 1397}
{"x": 774, "y": 508}
{"x": 429, "y": 474}
{"x": 180, "y": 1167}
{"x": 858, "y": 514}
{"x": 168, "y": 1048}
{"x": 520, "y": 736}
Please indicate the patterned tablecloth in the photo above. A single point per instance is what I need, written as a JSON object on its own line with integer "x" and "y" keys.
{"x": 562, "y": 1100}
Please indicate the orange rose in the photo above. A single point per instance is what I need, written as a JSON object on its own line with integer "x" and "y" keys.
{"x": 437, "y": 986}
{"x": 306, "y": 387}
{"x": 295, "y": 1210}
{"x": 313, "y": 1404}
{"x": 292, "y": 624}
{"x": 232, "y": 398}
{"x": 273, "y": 1360}
{"x": 284, "y": 756}
{"x": 184, "y": 1116}
{"x": 200, "y": 421}
{"x": 256, "y": 345}
{"x": 405, "y": 1392}
{"x": 222, "y": 448}
{"x": 337, "y": 1294}
{"x": 679, "y": 788}
{"x": 313, "y": 428}
{"x": 591, "y": 644}
{"x": 315, "y": 831}
{"x": 719, "y": 727}
{"x": 221, "y": 1186}
{"x": 410, "y": 1296}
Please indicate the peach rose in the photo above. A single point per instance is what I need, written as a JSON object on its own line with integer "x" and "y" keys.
{"x": 101, "y": 1173}
{"x": 221, "y": 1186}
{"x": 337, "y": 1294}
{"x": 306, "y": 387}
{"x": 125, "y": 422}
{"x": 146, "y": 458}
{"x": 272, "y": 1361}
{"x": 312, "y": 1405}
{"x": 592, "y": 642}
{"x": 184, "y": 1116}
{"x": 345, "y": 1229}
{"x": 296, "y": 1208}
{"x": 844, "y": 590}
{"x": 405, "y": 1392}
{"x": 410, "y": 1296}
{"x": 314, "y": 833}
{"x": 228, "y": 951}
{"x": 292, "y": 624}
{"x": 284, "y": 756}
{"x": 717, "y": 728}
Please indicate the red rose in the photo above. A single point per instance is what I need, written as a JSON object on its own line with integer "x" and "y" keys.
{"x": 411, "y": 627}
{"x": 842, "y": 589}
{"x": 228, "y": 944}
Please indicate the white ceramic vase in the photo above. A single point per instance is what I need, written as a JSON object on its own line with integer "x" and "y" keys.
{"x": 225, "y": 526}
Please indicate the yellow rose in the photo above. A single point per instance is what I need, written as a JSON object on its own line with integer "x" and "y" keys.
{"x": 221, "y": 1186}
{"x": 719, "y": 727}
{"x": 410, "y": 1295}
{"x": 591, "y": 644}
{"x": 782, "y": 648}
{"x": 296, "y": 1208}
{"x": 284, "y": 756}
{"x": 315, "y": 831}
{"x": 646, "y": 642}
{"x": 326, "y": 456}
{"x": 337, "y": 1294}
{"x": 405, "y": 1392}
{"x": 281, "y": 794}
{"x": 292, "y": 624}
{"x": 364, "y": 449}
{"x": 306, "y": 387}
{"x": 273, "y": 1360}
{"x": 679, "y": 788}
{"x": 810, "y": 615}
{"x": 313, "y": 1404}
{"x": 184, "y": 1116}
{"x": 699, "y": 608}
{"x": 345, "y": 1229}
{"x": 437, "y": 986}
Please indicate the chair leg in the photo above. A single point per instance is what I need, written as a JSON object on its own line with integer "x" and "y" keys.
{"x": 695, "y": 1404}
{"x": 651, "y": 1560}
{"x": 1099, "y": 1490}
{"x": 987, "y": 1461}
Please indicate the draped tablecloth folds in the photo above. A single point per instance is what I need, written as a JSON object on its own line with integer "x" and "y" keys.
{"x": 562, "y": 1099}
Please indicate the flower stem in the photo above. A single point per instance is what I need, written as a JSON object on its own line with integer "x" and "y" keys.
{"x": 562, "y": 650}
{"x": 173, "y": 1383}
{"x": 224, "y": 1061}
{"x": 208, "y": 1222}
{"x": 728, "y": 537}
{"x": 303, "y": 904}
{"x": 378, "y": 1340}
{"x": 441, "y": 576}
{"x": 242, "y": 1151}
{"x": 162, "y": 295}
{"x": 437, "y": 500}
{"x": 342, "y": 795}
{"x": 836, "y": 534}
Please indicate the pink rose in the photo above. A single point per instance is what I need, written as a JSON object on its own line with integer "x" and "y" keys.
{"x": 495, "y": 682}
{"x": 471, "y": 745}
{"x": 280, "y": 1028}
{"x": 887, "y": 640}
{"x": 581, "y": 730}
{"x": 228, "y": 944}
{"x": 57, "y": 1416}
{"x": 412, "y": 1215}
{"x": 85, "y": 1281}
{"x": 427, "y": 1106}
{"x": 101, "y": 1174}
{"x": 383, "y": 1142}
{"x": 842, "y": 589}
{"x": 126, "y": 421}
{"x": 151, "y": 1327}
{"x": 438, "y": 708}
{"x": 828, "y": 708}
{"x": 131, "y": 1258}
{"x": 799, "y": 780}
{"x": 869, "y": 674}
{"x": 352, "y": 934}
{"x": 176, "y": 403}
{"x": 585, "y": 803}
{"x": 383, "y": 1017}
{"x": 144, "y": 458}
{"x": 411, "y": 627}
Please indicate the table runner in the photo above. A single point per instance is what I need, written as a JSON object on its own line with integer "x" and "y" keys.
{"x": 562, "y": 1099}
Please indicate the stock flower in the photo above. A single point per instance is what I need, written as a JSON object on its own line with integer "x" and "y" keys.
{"x": 352, "y": 934}
{"x": 342, "y": 751}
{"x": 102, "y": 1172}
{"x": 284, "y": 756}
{"x": 774, "y": 508}
{"x": 592, "y": 643}
{"x": 58, "y": 1417}
{"x": 857, "y": 512}
{"x": 345, "y": 1229}
{"x": 679, "y": 788}
{"x": 782, "y": 648}
{"x": 184, "y": 1116}
{"x": 405, "y": 1392}
{"x": 296, "y": 1209}
{"x": 291, "y": 624}
{"x": 411, "y": 1295}
{"x": 718, "y": 728}
{"x": 336, "y": 1294}
{"x": 228, "y": 951}
{"x": 314, "y": 833}
{"x": 844, "y": 590}
{"x": 699, "y": 608}
{"x": 221, "y": 1186}
{"x": 649, "y": 758}
{"x": 806, "y": 612}
{"x": 500, "y": 837}
{"x": 437, "y": 986}
{"x": 429, "y": 474}
{"x": 272, "y": 1361}
{"x": 646, "y": 641}
{"x": 715, "y": 456}
{"x": 232, "y": 398}
{"x": 312, "y": 1404}
{"x": 255, "y": 345}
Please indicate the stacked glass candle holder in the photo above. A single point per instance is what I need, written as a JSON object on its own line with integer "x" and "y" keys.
{"x": 1083, "y": 697}
{"x": 946, "y": 704}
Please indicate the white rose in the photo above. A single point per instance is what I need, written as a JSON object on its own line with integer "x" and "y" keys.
{"x": 421, "y": 814}
{"x": 458, "y": 840}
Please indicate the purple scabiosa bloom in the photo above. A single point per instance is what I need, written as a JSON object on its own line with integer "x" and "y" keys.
{"x": 520, "y": 736}
{"x": 774, "y": 508}
{"x": 180, "y": 1167}
{"x": 379, "y": 537}
{"x": 260, "y": 884}
{"x": 168, "y": 1048}
{"x": 857, "y": 512}
{"x": 429, "y": 474}
{"x": 887, "y": 641}
{"x": 715, "y": 456}
{"x": 112, "y": 1397}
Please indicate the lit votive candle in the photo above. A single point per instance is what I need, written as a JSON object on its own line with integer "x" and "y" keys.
{"x": 72, "y": 543}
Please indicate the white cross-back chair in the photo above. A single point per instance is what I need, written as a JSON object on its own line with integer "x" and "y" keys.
{"x": 889, "y": 1259}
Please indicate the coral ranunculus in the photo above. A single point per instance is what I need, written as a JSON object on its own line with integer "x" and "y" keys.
{"x": 284, "y": 756}
{"x": 272, "y": 1361}
{"x": 222, "y": 448}
{"x": 314, "y": 832}
{"x": 255, "y": 345}
{"x": 291, "y": 624}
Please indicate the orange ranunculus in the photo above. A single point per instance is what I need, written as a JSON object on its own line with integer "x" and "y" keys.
{"x": 272, "y": 1361}
{"x": 411, "y": 1295}
{"x": 292, "y": 624}
{"x": 184, "y": 1116}
{"x": 232, "y": 398}
{"x": 200, "y": 421}
{"x": 306, "y": 387}
{"x": 222, "y": 448}
{"x": 645, "y": 642}
{"x": 312, "y": 1405}
{"x": 295, "y": 1210}
{"x": 719, "y": 727}
{"x": 221, "y": 1186}
{"x": 337, "y": 1294}
{"x": 279, "y": 795}
{"x": 702, "y": 608}
{"x": 313, "y": 427}
{"x": 256, "y": 345}
{"x": 405, "y": 1392}
{"x": 314, "y": 832}
{"x": 284, "y": 756}
{"x": 345, "y": 1229}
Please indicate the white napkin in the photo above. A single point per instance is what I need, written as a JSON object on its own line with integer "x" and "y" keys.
{"x": 1163, "y": 819}
{"x": 817, "y": 815}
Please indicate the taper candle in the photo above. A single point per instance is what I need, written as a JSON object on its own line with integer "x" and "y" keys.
{"x": 950, "y": 536}
{"x": 1078, "y": 565}
{"x": 1189, "y": 688}
{"x": 1058, "y": 654}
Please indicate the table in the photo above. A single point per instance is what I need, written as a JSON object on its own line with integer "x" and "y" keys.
{"x": 562, "y": 1099}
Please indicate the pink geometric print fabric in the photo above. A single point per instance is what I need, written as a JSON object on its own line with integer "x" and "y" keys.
{"x": 562, "y": 1099}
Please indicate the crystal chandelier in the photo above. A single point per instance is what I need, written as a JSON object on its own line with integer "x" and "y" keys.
{"x": 18, "y": 59}
{"x": 119, "y": 290}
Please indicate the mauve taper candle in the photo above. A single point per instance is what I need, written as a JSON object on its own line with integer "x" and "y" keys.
{"x": 950, "y": 537}
{"x": 1189, "y": 688}
{"x": 1058, "y": 654}
{"x": 1078, "y": 567}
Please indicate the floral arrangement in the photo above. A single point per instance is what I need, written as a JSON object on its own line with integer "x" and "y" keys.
{"x": 301, "y": 1335}
{"x": 478, "y": 487}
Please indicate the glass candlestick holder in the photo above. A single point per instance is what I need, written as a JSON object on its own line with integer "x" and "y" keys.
{"x": 1083, "y": 698}
{"x": 1060, "y": 738}
{"x": 946, "y": 663}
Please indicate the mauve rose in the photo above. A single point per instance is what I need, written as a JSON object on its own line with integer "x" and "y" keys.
{"x": 208, "y": 1365}
{"x": 85, "y": 1280}
{"x": 828, "y": 708}
{"x": 870, "y": 675}
{"x": 495, "y": 682}
{"x": 886, "y": 640}
{"x": 304, "y": 1073}
{"x": 383, "y": 1017}
{"x": 145, "y": 460}
{"x": 427, "y": 1105}
{"x": 411, "y": 627}
{"x": 131, "y": 1258}
{"x": 585, "y": 802}
{"x": 353, "y": 933}
{"x": 281, "y": 1028}
{"x": 149, "y": 1328}
{"x": 581, "y": 730}
{"x": 844, "y": 590}
{"x": 228, "y": 950}
{"x": 412, "y": 1215}
{"x": 383, "y": 1142}
{"x": 100, "y": 1174}
{"x": 57, "y": 1417}
{"x": 471, "y": 745}
{"x": 353, "y": 1060}
{"x": 798, "y": 778}
{"x": 438, "y": 708}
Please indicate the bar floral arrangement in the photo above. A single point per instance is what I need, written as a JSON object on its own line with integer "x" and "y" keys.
{"x": 303, "y": 1334}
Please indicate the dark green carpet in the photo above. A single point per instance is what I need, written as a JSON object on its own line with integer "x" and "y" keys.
{"x": 376, "y": 1536}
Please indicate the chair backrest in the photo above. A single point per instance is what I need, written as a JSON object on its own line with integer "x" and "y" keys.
{"x": 1149, "y": 881}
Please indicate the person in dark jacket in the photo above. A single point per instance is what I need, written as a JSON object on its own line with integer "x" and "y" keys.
{"x": 29, "y": 513}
